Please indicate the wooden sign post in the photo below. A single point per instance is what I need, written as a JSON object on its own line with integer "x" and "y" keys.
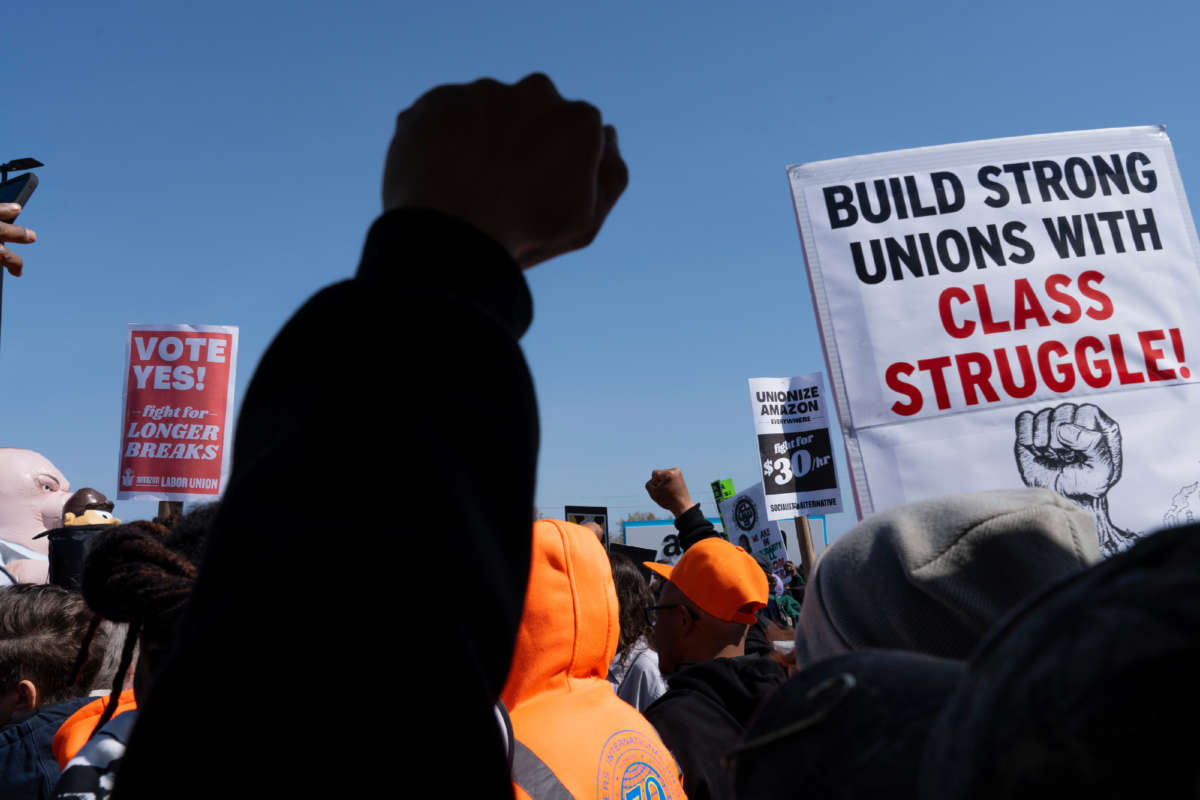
{"x": 173, "y": 509}
{"x": 807, "y": 554}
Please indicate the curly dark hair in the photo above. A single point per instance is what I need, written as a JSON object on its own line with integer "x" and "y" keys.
{"x": 633, "y": 597}
{"x": 142, "y": 573}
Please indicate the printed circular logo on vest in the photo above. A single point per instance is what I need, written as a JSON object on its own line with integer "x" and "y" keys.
{"x": 633, "y": 767}
{"x": 745, "y": 514}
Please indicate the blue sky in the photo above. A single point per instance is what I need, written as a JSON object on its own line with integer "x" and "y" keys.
{"x": 217, "y": 165}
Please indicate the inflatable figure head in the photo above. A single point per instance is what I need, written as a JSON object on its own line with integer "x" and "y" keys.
{"x": 32, "y": 495}
{"x": 88, "y": 507}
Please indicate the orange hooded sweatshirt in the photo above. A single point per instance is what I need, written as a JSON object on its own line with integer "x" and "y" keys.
{"x": 571, "y": 730}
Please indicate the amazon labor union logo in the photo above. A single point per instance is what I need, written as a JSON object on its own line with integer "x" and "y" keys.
{"x": 745, "y": 514}
{"x": 634, "y": 767}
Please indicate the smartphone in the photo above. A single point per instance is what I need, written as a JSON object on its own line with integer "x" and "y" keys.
{"x": 18, "y": 189}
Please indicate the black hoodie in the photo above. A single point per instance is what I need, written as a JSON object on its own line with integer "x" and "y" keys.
{"x": 703, "y": 714}
{"x": 384, "y": 385}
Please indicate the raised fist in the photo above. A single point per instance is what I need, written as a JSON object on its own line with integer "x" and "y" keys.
{"x": 534, "y": 171}
{"x": 667, "y": 488}
{"x": 1074, "y": 450}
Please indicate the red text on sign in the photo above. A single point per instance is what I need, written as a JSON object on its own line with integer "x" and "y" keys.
{"x": 1017, "y": 372}
{"x": 964, "y": 313}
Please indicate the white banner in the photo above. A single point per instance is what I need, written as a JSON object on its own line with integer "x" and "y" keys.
{"x": 659, "y": 535}
{"x": 1012, "y": 312}
{"x": 796, "y": 454}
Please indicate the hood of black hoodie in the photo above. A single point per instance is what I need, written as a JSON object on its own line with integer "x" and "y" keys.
{"x": 739, "y": 685}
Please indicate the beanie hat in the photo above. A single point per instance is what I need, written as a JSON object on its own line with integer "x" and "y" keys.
{"x": 933, "y": 576}
{"x": 721, "y": 578}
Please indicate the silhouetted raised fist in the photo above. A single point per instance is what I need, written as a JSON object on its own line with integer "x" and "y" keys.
{"x": 534, "y": 171}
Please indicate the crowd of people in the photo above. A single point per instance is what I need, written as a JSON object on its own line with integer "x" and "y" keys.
{"x": 970, "y": 646}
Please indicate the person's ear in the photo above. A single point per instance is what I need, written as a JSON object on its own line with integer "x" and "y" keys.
{"x": 27, "y": 697}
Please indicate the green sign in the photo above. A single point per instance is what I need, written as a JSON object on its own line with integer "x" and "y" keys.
{"x": 723, "y": 490}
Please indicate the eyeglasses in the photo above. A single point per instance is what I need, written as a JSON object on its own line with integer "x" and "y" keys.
{"x": 652, "y": 612}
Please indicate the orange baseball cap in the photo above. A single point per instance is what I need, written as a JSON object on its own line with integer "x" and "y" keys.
{"x": 721, "y": 578}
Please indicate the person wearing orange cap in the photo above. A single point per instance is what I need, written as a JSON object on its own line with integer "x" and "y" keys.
{"x": 572, "y": 736}
{"x": 668, "y": 488}
{"x": 709, "y": 600}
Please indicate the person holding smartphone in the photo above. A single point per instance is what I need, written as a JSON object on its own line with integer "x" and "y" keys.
{"x": 9, "y": 259}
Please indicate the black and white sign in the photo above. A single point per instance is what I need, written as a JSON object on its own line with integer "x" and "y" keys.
{"x": 798, "y": 473}
{"x": 747, "y": 526}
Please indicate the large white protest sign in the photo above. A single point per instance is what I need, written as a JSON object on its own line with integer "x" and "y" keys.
{"x": 794, "y": 446}
{"x": 747, "y": 525}
{"x": 1013, "y": 312}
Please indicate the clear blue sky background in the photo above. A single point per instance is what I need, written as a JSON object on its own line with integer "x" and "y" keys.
{"x": 219, "y": 164}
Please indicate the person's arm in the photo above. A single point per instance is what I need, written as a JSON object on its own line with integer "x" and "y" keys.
{"x": 693, "y": 526}
{"x": 390, "y": 427}
{"x": 668, "y": 488}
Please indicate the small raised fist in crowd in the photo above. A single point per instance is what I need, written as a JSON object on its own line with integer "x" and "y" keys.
{"x": 667, "y": 488}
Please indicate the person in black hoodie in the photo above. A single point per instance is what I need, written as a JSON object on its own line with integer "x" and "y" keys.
{"x": 708, "y": 602}
{"x": 407, "y": 375}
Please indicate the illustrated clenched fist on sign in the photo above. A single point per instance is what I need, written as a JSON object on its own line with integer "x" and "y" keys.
{"x": 1076, "y": 451}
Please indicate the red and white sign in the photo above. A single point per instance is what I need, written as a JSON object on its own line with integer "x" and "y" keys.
{"x": 1013, "y": 312}
{"x": 178, "y": 411}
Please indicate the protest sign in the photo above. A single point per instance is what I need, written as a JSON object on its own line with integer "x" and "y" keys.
{"x": 658, "y": 535}
{"x": 582, "y": 514}
{"x": 178, "y": 401}
{"x": 793, "y": 443}
{"x": 749, "y": 527}
{"x": 722, "y": 489}
{"x": 1013, "y": 312}
{"x": 819, "y": 533}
